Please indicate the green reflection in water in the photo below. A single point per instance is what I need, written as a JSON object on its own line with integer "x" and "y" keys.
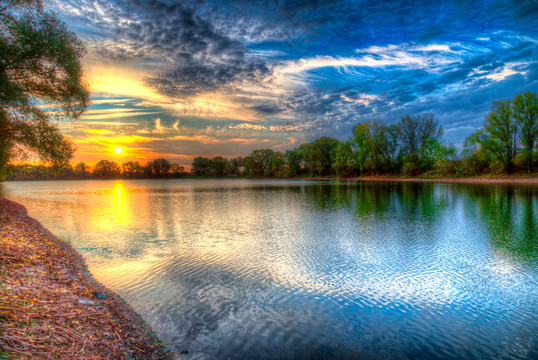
{"x": 507, "y": 213}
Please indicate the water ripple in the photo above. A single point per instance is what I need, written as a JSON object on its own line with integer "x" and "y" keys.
{"x": 308, "y": 270}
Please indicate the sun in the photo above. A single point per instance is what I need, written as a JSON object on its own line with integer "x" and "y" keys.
{"x": 118, "y": 150}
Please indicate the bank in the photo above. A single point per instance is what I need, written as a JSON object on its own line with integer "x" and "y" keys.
{"x": 50, "y": 305}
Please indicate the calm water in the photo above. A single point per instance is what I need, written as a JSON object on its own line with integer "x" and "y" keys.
{"x": 245, "y": 269}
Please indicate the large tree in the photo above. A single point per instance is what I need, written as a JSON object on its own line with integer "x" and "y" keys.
{"x": 503, "y": 134}
{"x": 525, "y": 112}
{"x": 417, "y": 135}
{"x": 41, "y": 80}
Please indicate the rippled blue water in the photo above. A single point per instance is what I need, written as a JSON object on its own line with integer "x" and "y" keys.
{"x": 247, "y": 269}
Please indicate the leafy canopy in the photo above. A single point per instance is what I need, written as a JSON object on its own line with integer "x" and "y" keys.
{"x": 41, "y": 80}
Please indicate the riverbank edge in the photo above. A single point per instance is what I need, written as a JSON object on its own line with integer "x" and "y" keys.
{"x": 52, "y": 307}
{"x": 472, "y": 180}
{"x": 486, "y": 179}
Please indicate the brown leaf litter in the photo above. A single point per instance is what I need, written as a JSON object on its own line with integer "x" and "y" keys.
{"x": 52, "y": 308}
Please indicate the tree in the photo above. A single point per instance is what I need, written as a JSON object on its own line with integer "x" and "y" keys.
{"x": 417, "y": 135}
{"x": 478, "y": 152}
{"x": 105, "y": 168}
{"x": 201, "y": 166}
{"x": 40, "y": 78}
{"x": 378, "y": 145}
{"x": 132, "y": 169}
{"x": 344, "y": 161}
{"x": 259, "y": 162}
{"x": 324, "y": 154}
{"x": 277, "y": 163}
{"x": 159, "y": 167}
{"x": 308, "y": 159}
{"x": 218, "y": 166}
{"x": 502, "y": 132}
{"x": 393, "y": 144}
{"x": 409, "y": 136}
{"x": 177, "y": 170}
{"x": 235, "y": 165}
{"x": 81, "y": 169}
{"x": 525, "y": 112}
{"x": 361, "y": 140}
{"x": 293, "y": 162}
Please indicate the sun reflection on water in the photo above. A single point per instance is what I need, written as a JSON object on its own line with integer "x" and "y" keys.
{"x": 119, "y": 199}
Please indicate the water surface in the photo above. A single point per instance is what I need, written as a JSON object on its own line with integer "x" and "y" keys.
{"x": 247, "y": 269}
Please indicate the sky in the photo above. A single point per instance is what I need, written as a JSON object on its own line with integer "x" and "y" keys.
{"x": 180, "y": 79}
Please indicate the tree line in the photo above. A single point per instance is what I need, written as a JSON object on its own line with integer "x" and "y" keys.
{"x": 413, "y": 146}
{"x": 104, "y": 169}
{"x": 41, "y": 78}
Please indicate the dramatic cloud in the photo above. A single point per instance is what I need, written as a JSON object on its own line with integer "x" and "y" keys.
{"x": 244, "y": 74}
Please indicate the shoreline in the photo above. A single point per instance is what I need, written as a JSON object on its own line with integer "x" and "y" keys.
{"x": 448, "y": 180}
{"x": 52, "y": 307}
{"x": 533, "y": 180}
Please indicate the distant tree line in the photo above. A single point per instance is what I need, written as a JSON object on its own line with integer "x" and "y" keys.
{"x": 104, "y": 169}
{"x": 506, "y": 143}
{"x": 413, "y": 146}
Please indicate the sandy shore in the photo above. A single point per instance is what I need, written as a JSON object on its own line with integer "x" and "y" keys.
{"x": 52, "y": 308}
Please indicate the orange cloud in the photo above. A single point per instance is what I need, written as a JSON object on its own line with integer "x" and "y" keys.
{"x": 99, "y": 131}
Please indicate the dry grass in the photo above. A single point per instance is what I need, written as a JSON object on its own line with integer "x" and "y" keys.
{"x": 52, "y": 308}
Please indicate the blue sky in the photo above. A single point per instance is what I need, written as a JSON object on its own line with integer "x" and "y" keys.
{"x": 181, "y": 79}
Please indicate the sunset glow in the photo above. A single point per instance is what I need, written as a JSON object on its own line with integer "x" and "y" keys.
{"x": 224, "y": 79}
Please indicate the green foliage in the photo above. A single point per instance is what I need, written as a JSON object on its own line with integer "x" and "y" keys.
{"x": 201, "y": 166}
{"x": 419, "y": 136}
{"x": 525, "y": 113}
{"x": 40, "y": 78}
{"x": 219, "y": 166}
{"x": 362, "y": 140}
{"x": 293, "y": 162}
{"x": 318, "y": 156}
{"x": 502, "y": 136}
{"x": 277, "y": 164}
{"x": 259, "y": 162}
{"x": 496, "y": 147}
{"x": 344, "y": 162}
{"x": 235, "y": 166}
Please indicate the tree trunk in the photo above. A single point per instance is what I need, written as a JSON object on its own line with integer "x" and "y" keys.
{"x": 529, "y": 158}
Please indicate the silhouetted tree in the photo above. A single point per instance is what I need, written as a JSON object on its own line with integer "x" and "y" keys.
{"x": 81, "y": 170}
{"x": 105, "y": 168}
{"x": 40, "y": 63}
{"x": 218, "y": 166}
{"x": 159, "y": 167}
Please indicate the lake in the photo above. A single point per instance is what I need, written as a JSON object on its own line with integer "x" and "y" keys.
{"x": 290, "y": 269}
